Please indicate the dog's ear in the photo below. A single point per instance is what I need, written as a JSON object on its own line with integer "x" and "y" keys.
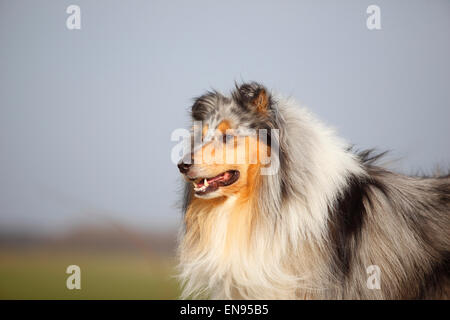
{"x": 253, "y": 96}
{"x": 204, "y": 105}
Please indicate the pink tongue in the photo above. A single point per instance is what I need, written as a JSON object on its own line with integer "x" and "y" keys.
{"x": 221, "y": 177}
{"x": 217, "y": 178}
{"x": 226, "y": 176}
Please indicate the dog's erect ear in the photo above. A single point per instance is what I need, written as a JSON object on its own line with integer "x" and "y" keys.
{"x": 261, "y": 101}
{"x": 253, "y": 96}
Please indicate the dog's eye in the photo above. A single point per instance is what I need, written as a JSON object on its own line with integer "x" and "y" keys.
{"x": 227, "y": 138}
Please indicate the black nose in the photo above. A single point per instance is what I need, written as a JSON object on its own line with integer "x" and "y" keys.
{"x": 184, "y": 167}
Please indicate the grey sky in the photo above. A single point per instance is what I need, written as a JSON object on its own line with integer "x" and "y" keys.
{"x": 86, "y": 116}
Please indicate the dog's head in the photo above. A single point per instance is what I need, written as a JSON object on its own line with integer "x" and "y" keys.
{"x": 230, "y": 141}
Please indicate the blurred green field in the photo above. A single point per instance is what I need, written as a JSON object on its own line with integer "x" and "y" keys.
{"x": 42, "y": 275}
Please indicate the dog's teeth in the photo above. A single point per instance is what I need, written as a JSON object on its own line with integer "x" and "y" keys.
{"x": 201, "y": 189}
{"x": 195, "y": 185}
{"x": 206, "y": 183}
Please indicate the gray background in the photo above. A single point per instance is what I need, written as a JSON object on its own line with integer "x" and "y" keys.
{"x": 86, "y": 116}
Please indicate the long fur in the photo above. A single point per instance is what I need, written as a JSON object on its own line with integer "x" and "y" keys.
{"x": 311, "y": 230}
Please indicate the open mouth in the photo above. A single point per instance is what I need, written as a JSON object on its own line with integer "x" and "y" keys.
{"x": 206, "y": 185}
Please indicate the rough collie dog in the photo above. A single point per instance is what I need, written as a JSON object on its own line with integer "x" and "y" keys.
{"x": 317, "y": 225}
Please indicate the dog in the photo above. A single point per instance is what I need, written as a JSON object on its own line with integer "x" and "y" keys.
{"x": 326, "y": 223}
